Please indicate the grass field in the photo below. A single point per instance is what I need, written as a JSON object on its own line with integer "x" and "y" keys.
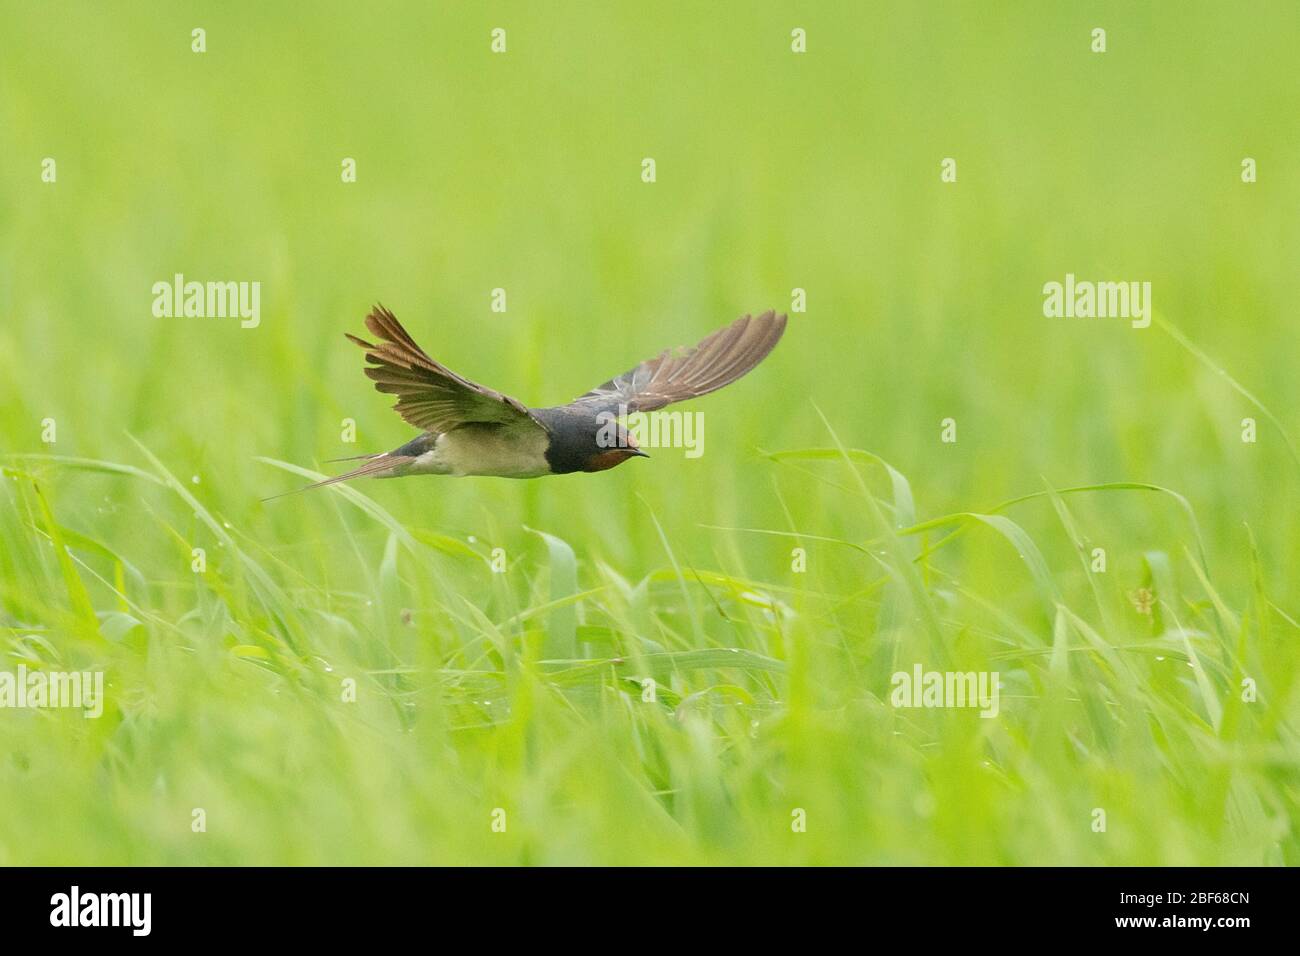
{"x": 346, "y": 678}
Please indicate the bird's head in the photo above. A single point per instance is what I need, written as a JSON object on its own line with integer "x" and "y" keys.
{"x": 605, "y": 454}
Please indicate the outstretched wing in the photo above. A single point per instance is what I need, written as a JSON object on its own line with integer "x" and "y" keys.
{"x": 429, "y": 395}
{"x": 675, "y": 374}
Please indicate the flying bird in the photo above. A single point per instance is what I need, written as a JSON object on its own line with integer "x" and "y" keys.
{"x": 469, "y": 429}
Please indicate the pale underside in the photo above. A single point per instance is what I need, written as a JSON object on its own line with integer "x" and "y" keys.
{"x": 507, "y": 451}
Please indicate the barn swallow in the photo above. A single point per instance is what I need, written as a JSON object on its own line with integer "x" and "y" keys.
{"x": 468, "y": 429}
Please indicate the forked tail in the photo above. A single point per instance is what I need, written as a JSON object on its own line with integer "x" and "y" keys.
{"x": 376, "y": 466}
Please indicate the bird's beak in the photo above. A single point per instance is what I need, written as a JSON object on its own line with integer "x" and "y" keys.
{"x": 638, "y": 453}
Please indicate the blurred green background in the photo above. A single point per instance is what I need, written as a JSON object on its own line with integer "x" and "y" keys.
{"x": 776, "y": 171}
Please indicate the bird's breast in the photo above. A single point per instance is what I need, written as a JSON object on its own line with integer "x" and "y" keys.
{"x": 500, "y": 450}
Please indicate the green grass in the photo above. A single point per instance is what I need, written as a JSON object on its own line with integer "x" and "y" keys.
{"x": 522, "y": 690}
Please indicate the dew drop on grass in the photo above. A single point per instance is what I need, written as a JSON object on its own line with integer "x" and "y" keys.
{"x": 194, "y": 479}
